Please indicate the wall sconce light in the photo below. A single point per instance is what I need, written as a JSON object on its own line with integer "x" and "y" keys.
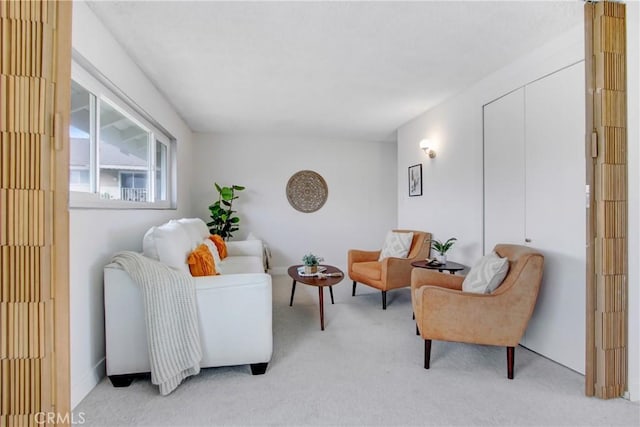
{"x": 424, "y": 144}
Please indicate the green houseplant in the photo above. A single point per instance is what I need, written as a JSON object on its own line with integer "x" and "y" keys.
{"x": 223, "y": 222}
{"x": 442, "y": 248}
{"x": 311, "y": 263}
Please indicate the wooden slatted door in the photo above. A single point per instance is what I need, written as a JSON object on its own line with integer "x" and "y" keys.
{"x": 34, "y": 109}
{"x": 607, "y": 287}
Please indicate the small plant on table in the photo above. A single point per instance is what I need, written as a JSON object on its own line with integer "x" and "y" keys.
{"x": 442, "y": 249}
{"x": 311, "y": 263}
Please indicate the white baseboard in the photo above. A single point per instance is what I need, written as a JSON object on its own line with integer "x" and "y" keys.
{"x": 634, "y": 391}
{"x": 89, "y": 380}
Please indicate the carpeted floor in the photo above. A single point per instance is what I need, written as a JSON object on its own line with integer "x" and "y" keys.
{"x": 364, "y": 369}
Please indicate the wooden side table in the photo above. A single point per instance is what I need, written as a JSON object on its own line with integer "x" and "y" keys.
{"x": 316, "y": 281}
{"x": 450, "y": 266}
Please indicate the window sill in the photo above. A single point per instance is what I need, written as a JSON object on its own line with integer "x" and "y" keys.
{"x": 78, "y": 200}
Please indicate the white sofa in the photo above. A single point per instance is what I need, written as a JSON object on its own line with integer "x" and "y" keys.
{"x": 234, "y": 308}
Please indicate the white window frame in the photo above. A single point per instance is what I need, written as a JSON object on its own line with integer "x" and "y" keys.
{"x": 104, "y": 91}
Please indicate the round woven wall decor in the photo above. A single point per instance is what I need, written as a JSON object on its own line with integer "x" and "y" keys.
{"x": 307, "y": 191}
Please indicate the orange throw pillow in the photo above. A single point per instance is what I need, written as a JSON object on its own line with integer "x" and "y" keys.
{"x": 201, "y": 262}
{"x": 220, "y": 244}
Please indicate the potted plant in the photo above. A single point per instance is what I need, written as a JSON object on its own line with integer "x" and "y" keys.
{"x": 311, "y": 263}
{"x": 224, "y": 223}
{"x": 442, "y": 249}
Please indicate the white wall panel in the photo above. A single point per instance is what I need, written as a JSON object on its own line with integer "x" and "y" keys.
{"x": 555, "y": 212}
{"x": 504, "y": 165}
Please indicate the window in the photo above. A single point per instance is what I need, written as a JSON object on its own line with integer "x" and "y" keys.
{"x": 118, "y": 158}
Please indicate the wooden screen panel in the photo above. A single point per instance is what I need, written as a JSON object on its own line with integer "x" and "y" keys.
{"x": 34, "y": 89}
{"x": 607, "y": 286}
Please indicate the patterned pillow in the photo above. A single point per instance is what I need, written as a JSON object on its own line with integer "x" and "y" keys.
{"x": 486, "y": 275}
{"x": 396, "y": 245}
{"x": 201, "y": 262}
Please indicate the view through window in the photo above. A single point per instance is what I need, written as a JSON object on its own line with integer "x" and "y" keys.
{"x": 115, "y": 153}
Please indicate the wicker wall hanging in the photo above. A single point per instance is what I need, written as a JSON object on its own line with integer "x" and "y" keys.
{"x": 307, "y": 191}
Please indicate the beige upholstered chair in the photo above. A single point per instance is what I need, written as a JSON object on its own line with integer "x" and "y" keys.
{"x": 390, "y": 273}
{"x": 444, "y": 312}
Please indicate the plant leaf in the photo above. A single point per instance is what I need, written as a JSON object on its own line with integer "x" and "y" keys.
{"x": 238, "y": 187}
{"x": 226, "y": 193}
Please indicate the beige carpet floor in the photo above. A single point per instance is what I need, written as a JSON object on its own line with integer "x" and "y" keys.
{"x": 364, "y": 369}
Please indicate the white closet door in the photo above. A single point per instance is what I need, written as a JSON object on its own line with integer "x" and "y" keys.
{"x": 504, "y": 170}
{"x": 555, "y": 212}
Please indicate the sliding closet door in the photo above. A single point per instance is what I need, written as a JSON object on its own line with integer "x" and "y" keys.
{"x": 534, "y": 195}
{"x": 555, "y": 212}
{"x": 503, "y": 170}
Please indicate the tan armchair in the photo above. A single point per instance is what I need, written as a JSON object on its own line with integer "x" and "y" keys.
{"x": 390, "y": 273}
{"x": 444, "y": 312}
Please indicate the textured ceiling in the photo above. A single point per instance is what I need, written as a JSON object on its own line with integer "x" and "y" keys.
{"x": 336, "y": 69}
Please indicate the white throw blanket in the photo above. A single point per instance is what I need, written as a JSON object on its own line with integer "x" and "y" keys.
{"x": 171, "y": 315}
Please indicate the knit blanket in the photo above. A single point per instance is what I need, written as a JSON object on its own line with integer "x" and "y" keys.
{"x": 171, "y": 315}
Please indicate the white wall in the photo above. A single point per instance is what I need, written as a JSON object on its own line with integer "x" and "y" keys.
{"x": 633, "y": 143}
{"x": 360, "y": 176}
{"x": 452, "y": 204}
{"x": 452, "y": 201}
{"x": 95, "y": 235}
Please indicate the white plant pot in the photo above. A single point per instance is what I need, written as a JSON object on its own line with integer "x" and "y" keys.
{"x": 442, "y": 259}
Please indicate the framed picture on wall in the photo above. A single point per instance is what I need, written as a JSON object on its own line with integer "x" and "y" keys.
{"x": 415, "y": 180}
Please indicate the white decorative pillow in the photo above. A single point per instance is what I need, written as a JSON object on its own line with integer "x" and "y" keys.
{"x": 149, "y": 245}
{"x": 486, "y": 275}
{"x": 216, "y": 255}
{"x": 195, "y": 228}
{"x": 169, "y": 244}
{"x": 396, "y": 245}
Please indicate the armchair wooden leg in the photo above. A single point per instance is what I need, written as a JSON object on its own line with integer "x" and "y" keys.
{"x": 417, "y": 330}
{"x": 353, "y": 290}
{"x": 427, "y": 353}
{"x": 384, "y": 300}
{"x": 510, "y": 359}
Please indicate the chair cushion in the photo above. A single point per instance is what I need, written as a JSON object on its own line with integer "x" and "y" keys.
{"x": 396, "y": 245}
{"x": 371, "y": 270}
{"x": 242, "y": 265}
{"x": 486, "y": 275}
{"x": 169, "y": 244}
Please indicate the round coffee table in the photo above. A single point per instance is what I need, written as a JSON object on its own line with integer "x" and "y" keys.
{"x": 450, "y": 266}
{"x": 316, "y": 281}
